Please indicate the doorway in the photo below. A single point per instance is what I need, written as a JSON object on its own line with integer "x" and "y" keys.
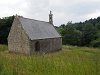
{"x": 37, "y": 46}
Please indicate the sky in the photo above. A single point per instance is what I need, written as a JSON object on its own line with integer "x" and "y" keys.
{"x": 62, "y": 10}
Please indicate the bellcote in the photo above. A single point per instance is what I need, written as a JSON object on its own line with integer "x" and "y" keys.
{"x": 51, "y": 18}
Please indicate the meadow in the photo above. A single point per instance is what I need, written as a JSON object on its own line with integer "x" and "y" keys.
{"x": 71, "y": 60}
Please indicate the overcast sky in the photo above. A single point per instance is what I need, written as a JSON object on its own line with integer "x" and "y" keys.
{"x": 63, "y": 10}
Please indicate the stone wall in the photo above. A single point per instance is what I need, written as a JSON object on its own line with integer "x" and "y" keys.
{"x": 47, "y": 45}
{"x": 18, "y": 41}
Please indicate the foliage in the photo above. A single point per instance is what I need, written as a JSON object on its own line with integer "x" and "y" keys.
{"x": 95, "y": 43}
{"x": 72, "y": 36}
{"x": 89, "y": 34}
{"x": 5, "y": 25}
{"x": 82, "y": 33}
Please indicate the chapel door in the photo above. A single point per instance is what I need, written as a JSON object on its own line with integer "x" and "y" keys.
{"x": 37, "y": 46}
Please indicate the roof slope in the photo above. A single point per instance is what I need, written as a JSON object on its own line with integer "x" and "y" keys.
{"x": 38, "y": 29}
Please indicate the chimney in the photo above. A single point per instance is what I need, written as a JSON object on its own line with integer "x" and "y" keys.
{"x": 51, "y": 18}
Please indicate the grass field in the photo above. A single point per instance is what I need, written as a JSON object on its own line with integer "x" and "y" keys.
{"x": 72, "y": 60}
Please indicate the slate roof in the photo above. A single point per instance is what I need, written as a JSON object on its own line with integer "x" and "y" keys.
{"x": 38, "y": 29}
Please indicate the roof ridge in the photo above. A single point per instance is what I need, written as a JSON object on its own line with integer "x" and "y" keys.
{"x": 32, "y": 19}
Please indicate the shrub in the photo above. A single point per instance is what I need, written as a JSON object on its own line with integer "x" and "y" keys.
{"x": 95, "y": 43}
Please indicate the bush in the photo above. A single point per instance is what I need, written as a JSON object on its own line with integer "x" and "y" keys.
{"x": 95, "y": 43}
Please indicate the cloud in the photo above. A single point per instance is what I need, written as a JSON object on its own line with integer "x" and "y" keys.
{"x": 94, "y": 14}
{"x": 63, "y": 10}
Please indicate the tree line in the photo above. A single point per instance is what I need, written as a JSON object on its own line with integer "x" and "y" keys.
{"x": 81, "y": 34}
{"x": 5, "y": 25}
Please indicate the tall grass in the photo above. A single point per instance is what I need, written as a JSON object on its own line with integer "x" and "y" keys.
{"x": 3, "y": 47}
{"x": 72, "y": 60}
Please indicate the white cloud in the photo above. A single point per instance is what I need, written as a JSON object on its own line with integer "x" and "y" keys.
{"x": 94, "y": 14}
{"x": 9, "y": 1}
{"x": 63, "y": 10}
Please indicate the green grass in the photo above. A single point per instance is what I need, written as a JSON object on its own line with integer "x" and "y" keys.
{"x": 72, "y": 60}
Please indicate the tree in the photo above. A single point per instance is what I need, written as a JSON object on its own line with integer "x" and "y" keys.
{"x": 98, "y": 25}
{"x": 5, "y": 25}
{"x": 89, "y": 34}
{"x": 72, "y": 36}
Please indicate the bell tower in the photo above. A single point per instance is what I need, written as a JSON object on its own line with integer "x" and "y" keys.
{"x": 51, "y": 18}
